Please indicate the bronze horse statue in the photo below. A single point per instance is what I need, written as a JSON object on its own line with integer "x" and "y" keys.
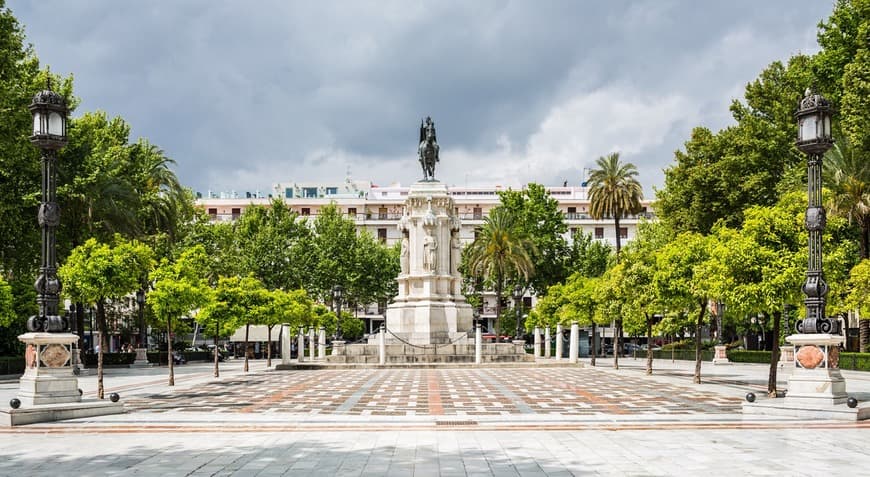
{"x": 428, "y": 150}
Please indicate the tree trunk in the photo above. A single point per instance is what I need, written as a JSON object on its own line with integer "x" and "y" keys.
{"x": 247, "y": 330}
{"x": 774, "y": 354}
{"x": 101, "y": 325}
{"x": 863, "y": 334}
{"x": 697, "y": 378}
{"x": 217, "y": 372}
{"x": 616, "y": 344}
{"x": 618, "y": 240}
{"x": 269, "y": 346}
{"x": 594, "y": 338}
{"x": 649, "y": 351}
{"x": 169, "y": 359}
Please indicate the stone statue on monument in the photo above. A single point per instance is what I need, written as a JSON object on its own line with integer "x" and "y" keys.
{"x": 403, "y": 257}
{"x": 430, "y": 253}
{"x": 455, "y": 253}
{"x": 428, "y": 150}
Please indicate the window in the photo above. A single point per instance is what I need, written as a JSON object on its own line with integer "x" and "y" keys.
{"x": 306, "y": 211}
{"x": 574, "y": 232}
{"x": 572, "y": 210}
{"x": 309, "y": 192}
{"x": 477, "y": 213}
{"x": 382, "y": 213}
{"x": 599, "y": 232}
{"x": 623, "y": 232}
{"x": 331, "y": 190}
{"x": 382, "y": 235}
{"x": 212, "y": 212}
{"x": 351, "y": 211}
{"x": 288, "y": 193}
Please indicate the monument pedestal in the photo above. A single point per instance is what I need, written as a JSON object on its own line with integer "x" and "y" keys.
{"x": 816, "y": 388}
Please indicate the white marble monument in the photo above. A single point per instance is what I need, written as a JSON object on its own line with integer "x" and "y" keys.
{"x": 430, "y": 307}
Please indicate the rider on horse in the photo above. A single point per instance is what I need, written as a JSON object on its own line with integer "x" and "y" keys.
{"x": 428, "y": 150}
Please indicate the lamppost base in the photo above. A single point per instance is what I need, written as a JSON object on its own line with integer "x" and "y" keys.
{"x": 720, "y": 355}
{"x": 141, "y": 359}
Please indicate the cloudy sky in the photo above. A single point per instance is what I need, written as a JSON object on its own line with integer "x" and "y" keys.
{"x": 246, "y": 94}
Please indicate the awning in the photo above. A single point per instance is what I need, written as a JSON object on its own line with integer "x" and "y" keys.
{"x": 256, "y": 333}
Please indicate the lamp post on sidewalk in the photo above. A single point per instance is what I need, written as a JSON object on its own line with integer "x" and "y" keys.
{"x": 336, "y": 299}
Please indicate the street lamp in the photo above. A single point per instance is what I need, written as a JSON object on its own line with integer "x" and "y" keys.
{"x": 814, "y": 138}
{"x": 720, "y": 309}
{"x": 336, "y": 299}
{"x": 140, "y": 299}
{"x": 49, "y": 134}
{"x": 518, "y": 303}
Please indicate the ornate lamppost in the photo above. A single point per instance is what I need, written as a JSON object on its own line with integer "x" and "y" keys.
{"x": 143, "y": 336}
{"x": 49, "y": 134}
{"x": 814, "y": 139}
{"x": 336, "y": 299}
{"x": 518, "y": 303}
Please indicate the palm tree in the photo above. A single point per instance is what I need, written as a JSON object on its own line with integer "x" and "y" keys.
{"x": 163, "y": 201}
{"x": 500, "y": 251}
{"x": 848, "y": 177}
{"x": 614, "y": 191}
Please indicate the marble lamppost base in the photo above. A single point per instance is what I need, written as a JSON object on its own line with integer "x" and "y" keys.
{"x": 48, "y": 390}
{"x": 141, "y": 359}
{"x": 816, "y": 387}
{"x": 720, "y": 355}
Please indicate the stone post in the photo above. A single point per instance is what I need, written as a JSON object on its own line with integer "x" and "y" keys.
{"x": 575, "y": 341}
{"x": 311, "y": 346}
{"x": 547, "y": 342}
{"x": 537, "y": 342}
{"x": 300, "y": 347}
{"x": 478, "y": 343}
{"x": 321, "y": 343}
{"x": 558, "y": 342}
{"x": 382, "y": 345}
{"x": 286, "y": 338}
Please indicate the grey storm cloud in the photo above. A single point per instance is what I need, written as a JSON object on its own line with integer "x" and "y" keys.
{"x": 246, "y": 94}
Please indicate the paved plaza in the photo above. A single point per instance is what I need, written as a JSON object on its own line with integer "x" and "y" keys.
{"x": 460, "y": 421}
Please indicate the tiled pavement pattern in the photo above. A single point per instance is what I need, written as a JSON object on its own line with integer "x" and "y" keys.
{"x": 435, "y": 392}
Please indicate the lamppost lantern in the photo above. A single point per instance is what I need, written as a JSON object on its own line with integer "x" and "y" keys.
{"x": 49, "y": 120}
{"x": 814, "y": 124}
{"x": 814, "y": 139}
{"x": 140, "y": 297}
{"x": 49, "y": 134}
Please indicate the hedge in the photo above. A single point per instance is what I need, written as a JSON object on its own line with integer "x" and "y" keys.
{"x": 850, "y": 361}
{"x": 743, "y": 356}
{"x": 683, "y": 354}
{"x": 11, "y": 365}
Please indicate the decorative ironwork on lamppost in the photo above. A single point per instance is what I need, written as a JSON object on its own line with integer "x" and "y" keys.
{"x": 720, "y": 310}
{"x": 336, "y": 299}
{"x": 49, "y": 134}
{"x": 518, "y": 303}
{"x": 814, "y": 139}
{"x": 143, "y": 336}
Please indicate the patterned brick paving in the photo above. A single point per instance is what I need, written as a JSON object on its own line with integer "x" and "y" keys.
{"x": 448, "y": 392}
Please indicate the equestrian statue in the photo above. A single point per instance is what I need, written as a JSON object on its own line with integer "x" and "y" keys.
{"x": 428, "y": 150}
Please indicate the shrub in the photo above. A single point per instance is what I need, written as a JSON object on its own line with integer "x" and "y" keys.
{"x": 11, "y": 365}
{"x": 110, "y": 359}
{"x": 743, "y": 356}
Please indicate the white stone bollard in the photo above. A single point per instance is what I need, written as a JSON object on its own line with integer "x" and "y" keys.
{"x": 575, "y": 342}
{"x": 286, "y": 339}
{"x": 321, "y": 343}
{"x": 537, "y": 342}
{"x": 559, "y": 342}
{"x": 382, "y": 346}
{"x": 478, "y": 344}
{"x": 311, "y": 346}
{"x": 300, "y": 346}
{"x": 547, "y": 342}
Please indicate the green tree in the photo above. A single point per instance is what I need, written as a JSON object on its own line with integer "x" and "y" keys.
{"x": 179, "y": 288}
{"x": 280, "y": 307}
{"x": 333, "y": 250}
{"x": 272, "y": 242}
{"x": 614, "y": 191}
{"x": 678, "y": 281}
{"x": 859, "y": 288}
{"x": 588, "y": 257}
{"x": 499, "y": 251}
{"x": 7, "y": 304}
{"x": 96, "y": 272}
{"x": 538, "y": 218}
